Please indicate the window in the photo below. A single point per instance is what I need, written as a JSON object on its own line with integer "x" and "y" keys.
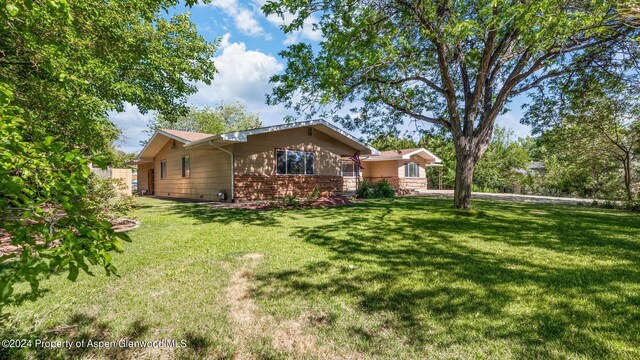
{"x": 163, "y": 169}
{"x": 411, "y": 170}
{"x": 186, "y": 166}
{"x": 290, "y": 162}
{"x": 349, "y": 169}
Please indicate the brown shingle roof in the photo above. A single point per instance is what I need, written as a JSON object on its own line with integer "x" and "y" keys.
{"x": 390, "y": 153}
{"x": 187, "y": 135}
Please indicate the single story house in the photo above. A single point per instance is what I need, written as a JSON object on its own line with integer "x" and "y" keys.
{"x": 271, "y": 162}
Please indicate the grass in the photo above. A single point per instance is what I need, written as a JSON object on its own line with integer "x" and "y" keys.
{"x": 401, "y": 278}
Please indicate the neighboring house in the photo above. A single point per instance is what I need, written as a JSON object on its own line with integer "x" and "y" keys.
{"x": 405, "y": 169}
{"x": 270, "y": 162}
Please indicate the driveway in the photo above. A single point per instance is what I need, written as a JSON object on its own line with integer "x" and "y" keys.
{"x": 512, "y": 197}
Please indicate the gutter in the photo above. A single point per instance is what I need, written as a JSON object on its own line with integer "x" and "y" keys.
{"x": 232, "y": 196}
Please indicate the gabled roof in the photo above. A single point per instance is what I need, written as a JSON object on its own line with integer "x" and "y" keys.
{"x": 193, "y": 139}
{"x": 404, "y": 154}
{"x": 321, "y": 125}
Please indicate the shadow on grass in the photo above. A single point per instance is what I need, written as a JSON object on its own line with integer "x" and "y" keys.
{"x": 207, "y": 214}
{"x": 550, "y": 280}
{"x": 82, "y": 329}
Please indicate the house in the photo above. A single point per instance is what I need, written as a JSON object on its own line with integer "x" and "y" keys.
{"x": 270, "y": 162}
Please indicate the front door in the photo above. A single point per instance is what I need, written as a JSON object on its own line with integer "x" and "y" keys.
{"x": 151, "y": 178}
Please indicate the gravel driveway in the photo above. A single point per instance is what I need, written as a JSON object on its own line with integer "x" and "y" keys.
{"x": 512, "y": 197}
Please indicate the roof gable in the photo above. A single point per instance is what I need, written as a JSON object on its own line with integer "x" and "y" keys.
{"x": 321, "y": 125}
{"x": 187, "y": 136}
{"x": 404, "y": 154}
{"x": 191, "y": 139}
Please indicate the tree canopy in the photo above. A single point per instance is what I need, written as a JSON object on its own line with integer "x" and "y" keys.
{"x": 70, "y": 63}
{"x": 209, "y": 120}
{"x": 453, "y": 64}
{"x": 63, "y": 66}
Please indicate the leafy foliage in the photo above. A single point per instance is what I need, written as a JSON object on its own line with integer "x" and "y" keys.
{"x": 42, "y": 211}
{"x": 71, "y": 62}
{"x": 592, "y": 126}
{"x": 495, "y": 172}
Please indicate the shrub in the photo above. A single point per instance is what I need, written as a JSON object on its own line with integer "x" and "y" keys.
{"x": 315, "y": 194}
{"x": 364, "y": 191}
{"x": 290, "y": 200}
{"x": 383, "y": 189}
{"x": 103, "y": 197}
{"x": 633, "y": 205}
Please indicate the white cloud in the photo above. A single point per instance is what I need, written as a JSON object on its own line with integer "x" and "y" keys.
{"x": 243, "y": 76}
{"x": 307, "y": 32}
{"x": 243, "y": 17}
{"x": 132, "y": 123}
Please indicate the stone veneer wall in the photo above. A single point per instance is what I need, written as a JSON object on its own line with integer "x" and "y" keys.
{"x": 264, "y": 187}
{"x": 403, "y": 185}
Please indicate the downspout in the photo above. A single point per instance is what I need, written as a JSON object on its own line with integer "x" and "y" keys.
{"x": 232, "y": 197}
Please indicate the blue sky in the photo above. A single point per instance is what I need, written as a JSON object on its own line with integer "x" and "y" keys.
{"x": 246, "y": 59}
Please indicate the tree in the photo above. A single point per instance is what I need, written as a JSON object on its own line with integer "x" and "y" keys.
{"x": 496, "y": 169}
{"x": 453, "y": 64}
{"x": 598, "y": 114}
{"x": 224, "y": 118}
{"x": 42, "y": 209}
{"x": 63, "y": 67}
{"x": 70, "y": 63}
{"x": 392, "y": 142}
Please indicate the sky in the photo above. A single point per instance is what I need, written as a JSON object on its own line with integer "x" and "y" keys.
{"x": 246, "y": 58}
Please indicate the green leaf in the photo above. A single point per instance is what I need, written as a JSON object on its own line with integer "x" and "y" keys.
{"x": 12, "y": 9}
{"x": 73, "y": 272}
{"x": 6, "y": 290}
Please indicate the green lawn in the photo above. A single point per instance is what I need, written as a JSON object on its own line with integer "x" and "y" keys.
{"x": 401, "y": 278}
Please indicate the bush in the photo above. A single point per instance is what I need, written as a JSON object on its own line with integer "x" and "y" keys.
{"x": 103, "y": 197}
{"x": 290, "y": 200}
{"x": 364, "y": 191}
{"x": 633, "y": 205}
{"x": 381, "y": 189}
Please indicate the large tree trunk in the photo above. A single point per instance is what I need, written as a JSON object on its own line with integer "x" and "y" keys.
{"x": 465, "y": 166}
{"x": 469, "y": 150}
{"x": 466, "y": 159}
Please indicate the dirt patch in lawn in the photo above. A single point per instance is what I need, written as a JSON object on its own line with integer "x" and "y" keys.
{"x": 250, "y": 324}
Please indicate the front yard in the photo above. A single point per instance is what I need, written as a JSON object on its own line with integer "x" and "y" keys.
{"x": 401, "y": 278}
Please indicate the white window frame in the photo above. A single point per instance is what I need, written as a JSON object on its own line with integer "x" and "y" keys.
{"x": 355, "y": 169}
{"x": 407, "y": 170}
{"x": 286, "y": 157}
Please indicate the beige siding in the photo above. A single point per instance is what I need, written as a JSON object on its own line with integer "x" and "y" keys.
{"x": 210, "y": 173}
{"x": 257, "y": 155}
{"x": 377, "y": 169}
